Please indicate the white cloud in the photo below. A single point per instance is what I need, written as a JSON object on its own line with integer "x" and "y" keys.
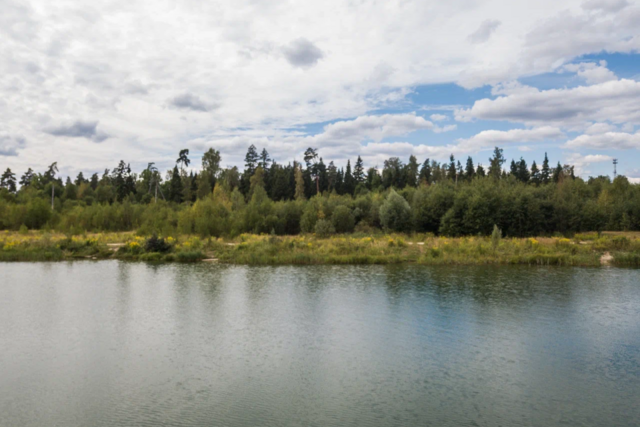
{"x": 234, "y": 67}
{"x": 591, "y": 72}
{"x": 492, "y": 138}
{"x": 447, "y": 128}
{"x": 598, "y": 128}
{"x": 616, "y": 101}
{"x": 606, "y": 141}
{"x": 438, "y": 117}
{"x": 581, "y": 162}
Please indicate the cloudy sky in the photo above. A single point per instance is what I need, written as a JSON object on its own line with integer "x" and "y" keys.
{"x": 89, "y": 83}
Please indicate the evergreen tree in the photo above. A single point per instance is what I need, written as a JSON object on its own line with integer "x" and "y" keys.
{"x": 340, "y": 181}
{"x": 558, "y": 174}
{"x": 265, "y": 160}
{"x": 358, "y": 171}
{"x": 451, "y": 171}
{"x": 535, "y": 174}
{"x": 545, "y": 173}
{"x": 459, "y": 171}
{"x": 80, "y": 179}
{"x": 425, "y": 172}
{"x": 523, "y": 171}
{"x": 27, "y": 178}
{"x": 175, "y": 186}
{"x": 373, "y": 178}
{"x": 93, "y": 183}
{"x": 469, "y": 170}
{"x": 332, "y": 176}
{"x": 393, "y": 173}
{"x": 513, "y": 169}
{"x": 323, "y": 179}
{"x": 349, "y": 183}
{"x": 183, "y": 159}
{"x": 50, "y": 174}
{"x": 412, "y": 167}
{"x": 310, "y": 158}
{"x": 8, "y": 181}
{"x": 250, "y": 163}
{"x": 496, "y": 162}
{"x": 480, "y": 171}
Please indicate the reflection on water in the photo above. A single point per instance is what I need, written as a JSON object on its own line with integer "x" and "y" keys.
{"x": 115, "y": 344}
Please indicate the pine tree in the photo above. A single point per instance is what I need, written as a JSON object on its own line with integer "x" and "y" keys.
{"x": 523, "y": 171}
{"x": 412, "y": 172}
{"x": 8, "y": 181}
{"x": 480, "y": 171}
{"x": 93, "y": 183}
{"x": 469, "y": 170}
{"x": 323, "y": 179}
{"x": 332, "y": 175}
{"x": 349, "y": 183}
{"x": 80, "y": 179}
{"x": 535, "y": 174}
{"x": 558, "y": 173}
{"x": 175, "y": 186}
{"x": 513, "y": 169}
{"x": 27, "y": 178}
{"x": 451, "y": 172}
{"x": 545, "y": 173}
{"x": 265, "y": 160}
{"x": 496, "y": 162}
{"x": 310, "y": 158}
{"x": 425, "y": 172}
{"x": 358, "y": 171}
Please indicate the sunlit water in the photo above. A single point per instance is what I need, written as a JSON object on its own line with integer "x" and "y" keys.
{"x": 121, "y": 344}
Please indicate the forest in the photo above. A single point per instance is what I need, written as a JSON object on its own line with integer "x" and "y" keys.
{"x": 449, "y": 198}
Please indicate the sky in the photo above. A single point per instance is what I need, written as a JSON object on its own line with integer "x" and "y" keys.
{"x": 88, "y": 84}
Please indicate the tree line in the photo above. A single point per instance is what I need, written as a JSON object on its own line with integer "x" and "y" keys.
{"x": 313, "y": 196}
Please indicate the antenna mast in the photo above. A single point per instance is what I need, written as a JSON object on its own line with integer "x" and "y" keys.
{"x": 615, "y": 172}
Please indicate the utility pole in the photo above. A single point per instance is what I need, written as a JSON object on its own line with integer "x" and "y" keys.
{"x": 615, "y": 172}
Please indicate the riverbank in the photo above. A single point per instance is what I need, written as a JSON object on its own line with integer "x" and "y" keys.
{"x": 586, "y": 249}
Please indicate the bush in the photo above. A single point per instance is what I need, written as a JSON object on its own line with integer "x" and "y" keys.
{"x": 324, "y": 228}
{"x": 395, "y": 213}
{"x": 156, "y": 244}
{"x": 343, "y": 220}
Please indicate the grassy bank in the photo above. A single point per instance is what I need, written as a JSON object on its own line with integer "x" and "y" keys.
{"x": 583, "y": 250}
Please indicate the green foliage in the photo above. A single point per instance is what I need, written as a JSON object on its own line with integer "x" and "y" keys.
{"x": 342, "y": 219}
{"x": 395, "y": 213}
{"x": 324, "y": 228}
{"x": 156, "y": 244}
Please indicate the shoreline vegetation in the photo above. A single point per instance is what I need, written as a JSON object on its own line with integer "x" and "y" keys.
{"x": 315, "y": 213}
{"x": 584, "y": 249}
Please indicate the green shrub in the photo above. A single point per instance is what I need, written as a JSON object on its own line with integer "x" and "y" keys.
{"x": 343, "y": 220}
{"x": 156, "y": 244}
{"x": 324, "y": 228}
{"x": 395, "y": 213}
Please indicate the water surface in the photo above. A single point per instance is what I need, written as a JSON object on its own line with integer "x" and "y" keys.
{"x": 118, "y": 344}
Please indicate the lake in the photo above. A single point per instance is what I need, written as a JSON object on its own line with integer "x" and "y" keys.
{"x": 111, "y": 343}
